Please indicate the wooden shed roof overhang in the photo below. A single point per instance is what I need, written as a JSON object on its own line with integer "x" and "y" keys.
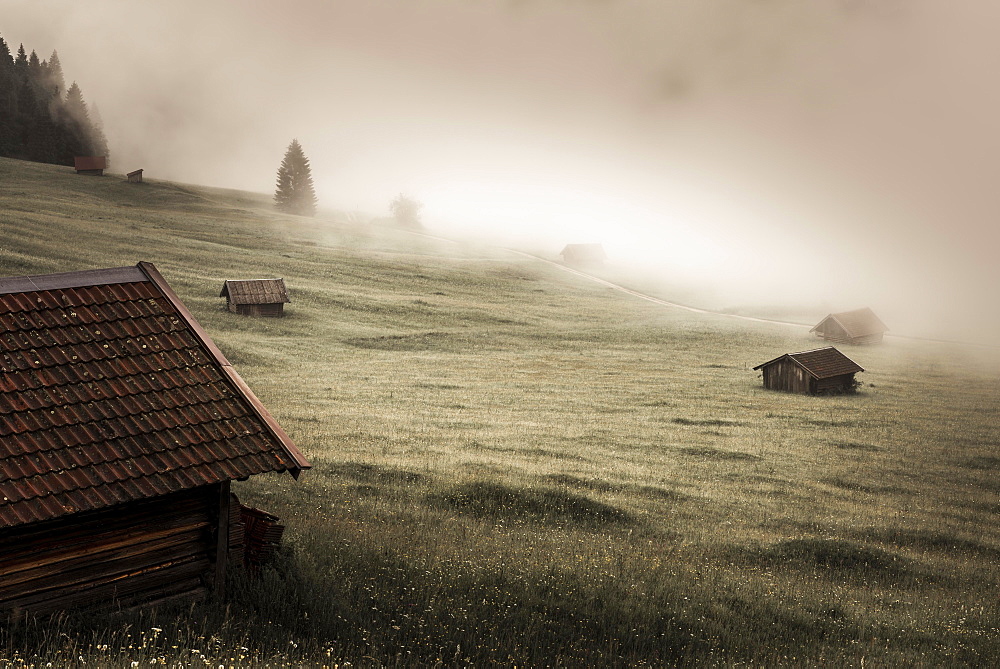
{"x": 255, "y": 291}
{"x": 820, "y": 363}
{"x": 111, "y": 392}
{"x": 857, "y": 323}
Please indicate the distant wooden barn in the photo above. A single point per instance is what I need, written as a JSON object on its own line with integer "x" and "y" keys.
{"x": 90, "y": 164}
{"x": 583, "y": 254}
{"x": 122, "y": 426}
{"x": 255, "y": 297}
{"x": 860, "y": 326}
{"x": 134, "y": 177}
{"x": 817, "y": 372}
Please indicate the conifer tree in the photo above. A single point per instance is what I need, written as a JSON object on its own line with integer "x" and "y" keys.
{"x": 54, "y": 76}
{"x": 77, "y": 121}
{"x": 294, "y": 192}
{"x": 21, "y": 62}
{"x": 9, "y": 140}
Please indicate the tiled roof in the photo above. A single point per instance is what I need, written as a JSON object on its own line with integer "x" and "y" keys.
{"x": 111, "y": 392}
{"x": 857, "y": 323}
{"x": 821, "y": 363}
{"x": 255, "y": 291}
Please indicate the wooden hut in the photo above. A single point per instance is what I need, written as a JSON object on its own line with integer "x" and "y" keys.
{"x": 255, "y": 297}
{"x": 860, "y": 326}
{"x": 90, "y": 164}
{"x": 582, "y": 255}
{"x": 134, "y": 177}
{"x": 817, "y": 372}
{"x": 121, "y": 426}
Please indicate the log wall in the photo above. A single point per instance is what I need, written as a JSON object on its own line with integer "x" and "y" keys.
{"x": 258, "y": 309}
{"x": 138, "y": 553}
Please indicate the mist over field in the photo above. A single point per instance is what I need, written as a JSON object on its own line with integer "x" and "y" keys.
{"x": 824, "y": 155}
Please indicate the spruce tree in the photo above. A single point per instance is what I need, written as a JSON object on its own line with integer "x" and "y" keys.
{"x": 294, "y": 192}
{"x": 54, "y": 76}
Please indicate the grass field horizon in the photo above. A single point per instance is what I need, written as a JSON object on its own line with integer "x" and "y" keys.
{"x": 516, "y": 466}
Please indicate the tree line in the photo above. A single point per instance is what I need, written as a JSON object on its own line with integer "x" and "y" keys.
{"x": 40, "y": 119}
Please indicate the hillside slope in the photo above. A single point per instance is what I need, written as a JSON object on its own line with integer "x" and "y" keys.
{"x": 516, "y": 466}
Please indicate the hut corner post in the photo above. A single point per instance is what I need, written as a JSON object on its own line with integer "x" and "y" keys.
{"x": 222, "y": 539}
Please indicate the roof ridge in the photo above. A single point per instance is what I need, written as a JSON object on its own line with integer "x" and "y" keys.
{"x": 88, "y": 277}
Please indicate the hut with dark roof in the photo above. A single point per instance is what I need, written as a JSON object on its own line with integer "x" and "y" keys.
{"x": 94, "y": 165}
{"x": 121, "y": 427}
{"x": 255, "y": 297}
{"x": 817, "y": 372}
{"x": 860, "y": 326}
{"x": 583, "y": 255}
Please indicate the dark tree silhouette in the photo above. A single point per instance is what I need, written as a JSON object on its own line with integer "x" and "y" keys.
{"x": 40, "y": 119}
{"x": 294, "y": 192}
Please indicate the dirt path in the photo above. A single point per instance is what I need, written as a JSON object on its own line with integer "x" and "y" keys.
{"x": 650, "y": 298}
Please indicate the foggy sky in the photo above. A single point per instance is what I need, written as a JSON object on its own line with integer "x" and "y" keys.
{"x": 840, "y": 152}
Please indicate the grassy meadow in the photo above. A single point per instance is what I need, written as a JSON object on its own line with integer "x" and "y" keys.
{"x": 513, "y": 466}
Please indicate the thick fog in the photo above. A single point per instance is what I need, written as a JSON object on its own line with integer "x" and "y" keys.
{"x": 832, "y": 154}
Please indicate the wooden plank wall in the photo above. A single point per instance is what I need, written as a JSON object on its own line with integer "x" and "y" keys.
{"x": 786, "y": 375}
{"x": 139, "y": 553}
{"x": 258, "y": 309}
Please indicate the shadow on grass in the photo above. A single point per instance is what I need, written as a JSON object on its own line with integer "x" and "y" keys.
{"x": 856, "y": 446}
{"x": 983, "y": 463}
{"x": 706, "y": 421}
{"x": 838, "y": 559}
{"x": 854, "y": 486}
{"x": 930, "y": 540}
{"x": 710, "y": 453}
{"x": 367, "y": 473}
{"x": 422, "y": 341}
{"x": 654, "y": 492}
{"x": 519, "y": 505}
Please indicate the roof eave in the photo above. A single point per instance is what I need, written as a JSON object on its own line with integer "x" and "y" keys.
{"x": 150, "y": 271}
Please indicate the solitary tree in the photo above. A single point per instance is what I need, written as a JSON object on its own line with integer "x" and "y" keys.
{"x": 294, "y": 192}
{"x": 406, "y": 211}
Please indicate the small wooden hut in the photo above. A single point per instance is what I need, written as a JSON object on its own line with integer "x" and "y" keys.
{"x": 134, "y": 177}
{"x": 121, "y": 426}
{"x": 817, "y": 372}
{"x": 583, "y": 255}
{"x": 94, "y": 165}
{"x": 255, "y": 297}
{"x": 860, "y": 326}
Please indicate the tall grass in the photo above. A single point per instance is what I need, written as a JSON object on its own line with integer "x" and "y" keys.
{"x": 516, "y": 467}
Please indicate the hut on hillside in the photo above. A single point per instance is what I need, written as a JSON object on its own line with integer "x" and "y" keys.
{"x": 255, "y": 297}
{"x": 817, "y": 372}
{"x": 860, "y": 326}
{"x": 583, "y": 255}
{"x": 90, "y": 164}
{"x": 122, "y": 426}
{"x": 134, "y": 177}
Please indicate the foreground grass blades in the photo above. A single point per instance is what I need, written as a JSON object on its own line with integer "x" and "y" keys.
{"x": 516, "y": 467}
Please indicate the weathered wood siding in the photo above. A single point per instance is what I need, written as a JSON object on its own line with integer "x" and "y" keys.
{"x": 139, "y": 553}
{"x": 834, "y": 384}
{"x": 832, "y": 331}
{"x": 786, "y": 375}
{"x": 274, "y": 310}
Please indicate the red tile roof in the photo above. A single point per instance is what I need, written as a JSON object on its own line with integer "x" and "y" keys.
{"x": 255, "y": 291}
{"x": 110, "y": 392}
{"x": 821, "y": 363}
